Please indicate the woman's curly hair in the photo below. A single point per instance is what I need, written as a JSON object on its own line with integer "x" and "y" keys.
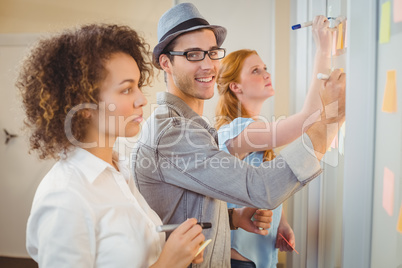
{"x": 66, "y": 70}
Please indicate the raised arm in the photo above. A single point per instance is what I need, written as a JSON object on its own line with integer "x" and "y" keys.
{"x": 323, "y": 131}
{"x": 260, "y": 136}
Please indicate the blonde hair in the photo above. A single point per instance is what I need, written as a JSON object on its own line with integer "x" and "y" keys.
{"x": 229, "y": 107}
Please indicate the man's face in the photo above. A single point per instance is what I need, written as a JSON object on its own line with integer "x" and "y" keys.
{"x": 195, "y": 79}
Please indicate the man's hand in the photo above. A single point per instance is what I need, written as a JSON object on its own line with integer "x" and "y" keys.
{"x": 243, "y": 218}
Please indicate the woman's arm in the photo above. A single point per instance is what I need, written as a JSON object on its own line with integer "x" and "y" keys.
{"x": 287, "y": 232}
{"x": 260, "y": 136}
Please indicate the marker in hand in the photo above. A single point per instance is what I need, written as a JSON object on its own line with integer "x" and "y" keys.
{"x": 302, "y": 25}
{"x": 172, "y": 227}
{"x": 306, "y": 24}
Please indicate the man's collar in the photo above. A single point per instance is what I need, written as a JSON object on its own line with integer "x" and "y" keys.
{"x": 177, "y": 104}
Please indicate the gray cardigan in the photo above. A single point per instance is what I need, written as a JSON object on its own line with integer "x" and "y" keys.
{"x": 181, "y": 172}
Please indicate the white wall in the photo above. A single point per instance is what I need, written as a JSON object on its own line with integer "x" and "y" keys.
{"x": 20, "y": 173}
{"x": 249, "y": 26}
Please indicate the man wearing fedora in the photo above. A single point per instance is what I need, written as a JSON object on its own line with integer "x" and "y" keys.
{"x": 177, "y": 164}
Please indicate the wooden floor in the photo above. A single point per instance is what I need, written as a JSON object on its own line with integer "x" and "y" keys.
{"x": 7, "y": 262}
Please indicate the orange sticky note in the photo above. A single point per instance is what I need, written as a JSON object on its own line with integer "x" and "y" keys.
{"x": 397, "y": 10}
{"x": 340, "y": 36}
{"x": 385, "y": 24}
{"x": 399, "y": 225}
{"x": 334, "y": 43}
{"x": 388, "y": 191}
{"x": 389, "y": 103}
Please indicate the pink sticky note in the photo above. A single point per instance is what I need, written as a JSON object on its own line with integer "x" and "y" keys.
{"x": 334, "y": 143}
{"x": 346, "y": 34}
{"x": 334, "y": 42}
{"x": 397, "y": 10}
{"x": 388, "y": 191}
{"x": 288, "y": 243}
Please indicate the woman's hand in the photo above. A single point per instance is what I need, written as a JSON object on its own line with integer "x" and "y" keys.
{"x": 287, "y": 232}
{"x": 182, "y": 245}
{"x": 322, "y": 35}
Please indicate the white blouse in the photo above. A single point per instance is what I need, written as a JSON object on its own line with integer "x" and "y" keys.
{"x": 87, "y": 214}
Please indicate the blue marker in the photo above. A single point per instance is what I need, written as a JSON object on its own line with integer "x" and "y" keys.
{"x": 306, "y": 24}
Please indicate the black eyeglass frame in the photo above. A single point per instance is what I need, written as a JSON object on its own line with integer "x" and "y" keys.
{"x": 184, "y": 53}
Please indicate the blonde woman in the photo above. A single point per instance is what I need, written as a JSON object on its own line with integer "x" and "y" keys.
{"x": 244, "y": 84}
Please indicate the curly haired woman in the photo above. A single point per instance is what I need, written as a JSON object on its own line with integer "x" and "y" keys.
{"x": 81, "y": 90}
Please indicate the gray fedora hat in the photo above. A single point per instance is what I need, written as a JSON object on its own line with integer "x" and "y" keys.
{"x": 180, "y": 19}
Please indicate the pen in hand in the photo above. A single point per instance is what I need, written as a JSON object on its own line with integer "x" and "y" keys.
{"x": 306, "y": 24}
{"x": 172, "y": 227}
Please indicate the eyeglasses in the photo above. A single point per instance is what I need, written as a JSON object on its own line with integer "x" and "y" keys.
{"x": 198, "y": 55}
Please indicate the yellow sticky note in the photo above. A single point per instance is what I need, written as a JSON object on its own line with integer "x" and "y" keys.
{"x": 399, "y": 225}
{"x": 202, "y": 246}
{"x": 389, "y": 103}
{"x": 397, "y": 10}
{"x": 385, "y": 24}
{"x": 388, "y": 191}
{"x": 340, "y": 36}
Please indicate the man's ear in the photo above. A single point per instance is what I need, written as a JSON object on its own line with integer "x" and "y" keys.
{"x": 164, "y": 62}
{"x": 235, "y": 87}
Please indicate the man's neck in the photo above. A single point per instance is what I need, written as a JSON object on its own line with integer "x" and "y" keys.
{"x": 197, "y": 105}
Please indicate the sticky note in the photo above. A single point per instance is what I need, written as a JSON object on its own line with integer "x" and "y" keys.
{"x": 346, "y": 35}
{"x": 202, "y": 246}
{"x": 397, "y": 10}
{"x": 388, "y": 191}
{"x": 389, "y": 103}
{"x": 334, "y": 43}
{"x": 385, "y": 24}
{"x": 288, "y": 243}
{"x": 340, "y": 36}
{"x": 334, "y": 143}
{"x": 341, "y": 143}
{"x": 399, "y": 225}
{"x": 343, "y": 129}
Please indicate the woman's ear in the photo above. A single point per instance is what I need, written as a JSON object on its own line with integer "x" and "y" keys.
{"x": 235, "y": 87}
{"x": 86, "y": 114}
